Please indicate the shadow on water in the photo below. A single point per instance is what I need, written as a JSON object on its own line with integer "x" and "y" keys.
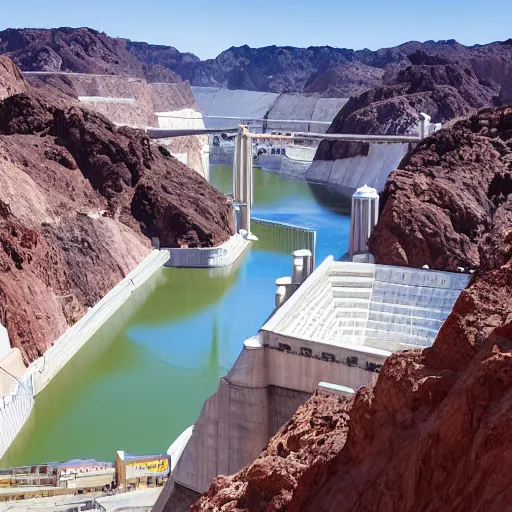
{"x": 332, "y": 199}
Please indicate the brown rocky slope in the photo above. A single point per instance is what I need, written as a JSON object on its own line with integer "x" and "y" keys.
{"x": 77, "y": 50}
{"x": 442, "y": 88}
{"x": 449, "y": 204}
{"x": 433, "y": 433}
{"x": 79, "y": 200}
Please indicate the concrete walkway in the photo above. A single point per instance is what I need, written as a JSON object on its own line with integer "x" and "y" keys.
{"x": 137, "y": 500}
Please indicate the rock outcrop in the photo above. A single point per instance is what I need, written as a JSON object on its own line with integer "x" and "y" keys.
{"x": 11, "y": 80}
{"x": 449, "y": 204}
{"x": 432, "y": 433}
{"x": 344, "y": 81}
{"x": 79, "y": 200}
{"x": 441, "y": 88}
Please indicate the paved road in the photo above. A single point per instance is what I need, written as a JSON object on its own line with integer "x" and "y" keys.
{"x": 137, "y": 500}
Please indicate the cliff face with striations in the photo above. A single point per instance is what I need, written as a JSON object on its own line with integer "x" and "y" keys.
{"x": 433, "y": 433}
{"x": 449, "y": 204}
{"x": 79, "y": 200}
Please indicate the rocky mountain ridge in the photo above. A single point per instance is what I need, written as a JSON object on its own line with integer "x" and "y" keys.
{"x": 442, "y": 88}
{"x": 321, "y": 70}
{"x": 80, "y": 50}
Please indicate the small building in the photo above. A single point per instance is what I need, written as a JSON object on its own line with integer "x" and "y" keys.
{"x": 39, "y": 475}
{"x": 136, "y": 472}
{"x": 85, "y": 475}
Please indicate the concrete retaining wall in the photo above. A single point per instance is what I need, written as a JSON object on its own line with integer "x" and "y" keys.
{"x": 348, "y": 174}
{"x": 5, "y": 344}
{"x": 54, "y": 359}
{"x": 291, "y": 169}
{"x": 259, "y": 394}
{"x": 210, "y": 257}
{"x": 16, "y": 406}
{"x": 195, "y": 147}
{"x": 15, "y": 409}
{"x": 225, "y": 108}
{"x": 221, "y": 155}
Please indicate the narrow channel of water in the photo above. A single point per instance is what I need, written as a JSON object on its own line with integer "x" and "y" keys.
{"x": 138, "y": 388}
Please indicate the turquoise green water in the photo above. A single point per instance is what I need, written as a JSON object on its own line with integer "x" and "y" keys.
{"x": 143, "y": 378}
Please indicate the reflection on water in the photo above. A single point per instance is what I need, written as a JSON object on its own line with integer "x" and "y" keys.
{"x": 139, "y": 387}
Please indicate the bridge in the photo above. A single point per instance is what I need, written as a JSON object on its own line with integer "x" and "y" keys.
{"x": 243, "y": 157}
{"x": 160, "y": 133}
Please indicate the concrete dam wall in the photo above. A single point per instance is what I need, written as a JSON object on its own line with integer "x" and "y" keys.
{"x": 226, "y": 108}
{"x": 348, "y": 174}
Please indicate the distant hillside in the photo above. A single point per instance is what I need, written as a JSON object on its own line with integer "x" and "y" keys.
{"x": 339, "y": 71}
{"x": 323, "y": 70}
{"x": 80, "y": 50}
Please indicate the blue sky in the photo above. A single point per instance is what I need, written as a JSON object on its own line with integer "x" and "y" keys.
{"x": 208, "y": 27}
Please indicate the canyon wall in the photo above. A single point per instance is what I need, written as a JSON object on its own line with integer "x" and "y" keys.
{"x": 441, "y": 88}
{"x": 79, "y": 201}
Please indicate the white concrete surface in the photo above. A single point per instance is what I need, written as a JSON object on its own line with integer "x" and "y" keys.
{"x": 5, "y": 344}
{"x": 348, "y": 174}
{"x": 11, "y": 367}
{"x": 139, "y": 501}
{"x": 104, "y": 99}
{"x": 194, "y": 147}
{"x": 176, "y": 449}
{"x": 180, "y": 119}
{"x": 15, "y": 408}
{"x": 209, "y": 257}
{"x": 371, "y": 309}
{"x": 223, "y": 108}
{"x": 136, "y": 500}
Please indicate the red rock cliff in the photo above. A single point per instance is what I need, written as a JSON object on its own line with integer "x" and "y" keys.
{"x": 79, "y": 200}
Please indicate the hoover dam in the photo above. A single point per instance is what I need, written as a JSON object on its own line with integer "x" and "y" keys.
{"x": 215, "y": 298}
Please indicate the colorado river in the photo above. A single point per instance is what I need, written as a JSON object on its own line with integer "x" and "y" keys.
{"x": 138, "y": 389}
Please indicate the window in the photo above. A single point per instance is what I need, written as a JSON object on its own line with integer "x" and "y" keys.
{"x": 373, "y": 367}
{"x": 284, "y": 347}
{"x": 326, "y": 356}
{"x": 216, "y": 141}
{"x": 352, "y": 361}
{"x": 307, "y": 352}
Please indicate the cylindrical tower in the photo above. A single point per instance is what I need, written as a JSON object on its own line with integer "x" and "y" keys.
{"x": 364, "y": 217}
{"x": 302, "y": 265}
